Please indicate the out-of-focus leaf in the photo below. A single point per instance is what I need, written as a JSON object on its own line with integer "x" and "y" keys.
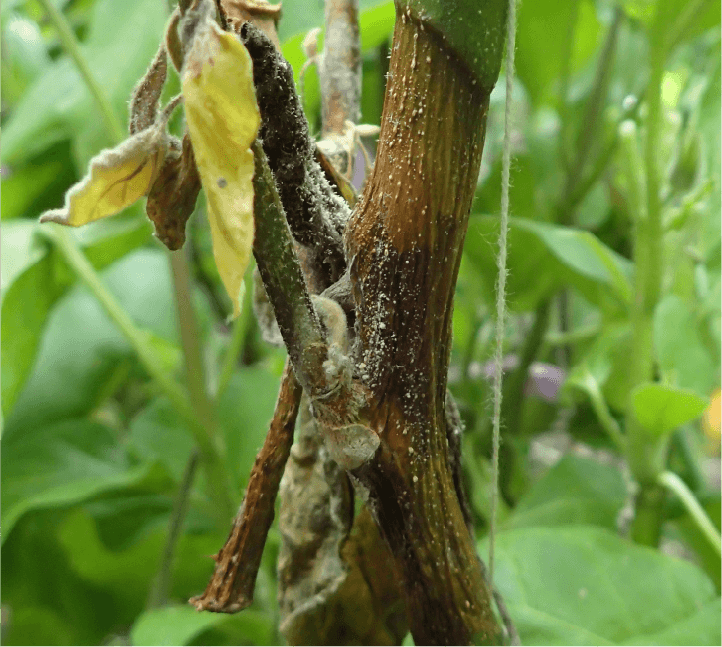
{"x": 545, "y": 257}
{"x": 575, "y": 491}
{"x": 82, "y": 349}
{"x": 661, "y": 409}
{"x": 679, "y": 347}
{"x": 159, "y": 433}
{"x": 58, "y": 105}
{"x": 179, "y": 625}
{"x": 587, "y": 586}
{"x": 61, "y": 464}
{"x": 24, "y": 55}
{"x": 32, "y": 267}
{"x": 542, "y": 32}
{"x": 223, "y": 119}
{"x": 26, "y": 184}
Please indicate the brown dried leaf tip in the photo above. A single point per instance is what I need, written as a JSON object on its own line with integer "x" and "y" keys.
{"x": 172, "y": 196}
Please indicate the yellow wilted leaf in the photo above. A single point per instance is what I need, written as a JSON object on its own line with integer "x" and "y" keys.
{"x": 223, "y": 120}
{"x": 116, "y": 179}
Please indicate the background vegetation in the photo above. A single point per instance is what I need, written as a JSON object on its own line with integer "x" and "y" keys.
{"x": 97, "y": 458}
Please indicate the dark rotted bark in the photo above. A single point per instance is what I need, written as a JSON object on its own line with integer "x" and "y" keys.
{"x": 316, "y": 213}
{"x": 404, "y": 245}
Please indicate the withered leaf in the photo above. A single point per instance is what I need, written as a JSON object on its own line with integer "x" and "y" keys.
{"x": 223, "y": 121}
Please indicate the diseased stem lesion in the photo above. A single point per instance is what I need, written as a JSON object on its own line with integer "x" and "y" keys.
{"x": 388, "y": 385}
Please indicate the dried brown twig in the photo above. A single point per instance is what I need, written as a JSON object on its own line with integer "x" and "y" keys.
{"x": 237, "y": 563}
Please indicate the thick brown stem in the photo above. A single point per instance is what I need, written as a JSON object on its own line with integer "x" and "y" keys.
{"x": 237, "y": 563}
{"x": 404, "y": 242}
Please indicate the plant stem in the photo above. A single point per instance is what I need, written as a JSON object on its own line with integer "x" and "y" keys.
{"x": 514, "y": 390}
{"x": 235, "y": 347}
{"x": 72, "y": 48}
{"x": 604, "y": 416}
{"x": 158, "y": 596}
{"x": 592, "y": 118}
{"x": 284, "y": 281}
{"x": 646, "y": 456}
{"x": 190, "y": 342}
{"x": 200, "y": 403}
{"x": 678, "y": 487}
{"x": 567, "y": 52}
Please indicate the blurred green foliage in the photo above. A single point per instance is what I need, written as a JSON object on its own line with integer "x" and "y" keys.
{"x": 93, "y": 452}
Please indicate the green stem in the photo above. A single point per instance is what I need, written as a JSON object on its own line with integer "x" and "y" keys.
{"x": 158, "y": 596}
{"x": 678, "y": 487}
{"x": 604, "y": 416}
{"x": 203, "y": 409}
{"x": 238, "y": 336}
{"x": 647, "y": 455}
{"x": 514, "y": 388}
{"x": 72, "y": 47}
{"x": 190, "y": 342}
{"x": 567, "y": 53}
{"x": 592, "y": 119}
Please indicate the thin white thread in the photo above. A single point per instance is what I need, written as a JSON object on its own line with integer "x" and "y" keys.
{"x": 501, "y": 279}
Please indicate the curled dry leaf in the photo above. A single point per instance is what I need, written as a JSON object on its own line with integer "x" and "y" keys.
{"x": 116, "y": 179}
{"x": 146, "y": 95}
{"x": 173, "y": 196}
{"x": 223, "y": 120}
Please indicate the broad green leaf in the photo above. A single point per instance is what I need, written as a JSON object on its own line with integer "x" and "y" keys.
{"x": 24, "y": 55}
{"x": 61, "y": 464}
{"x": 545, "y": 257}
{"x": 542, "y": 32}
{"x": 159, "y": 433}
{"x": 585, "y": 254}
{"x": 586, "y": 586}
{"x": 23, "y": 187}
{"x": 660, "y": 408}
{"x": 179, "y": 625}
{"x": 223, "y": 120}
{"x": 575, "y": 491}
{"x": 82, "y": 354}
{"x": 58, "y": 106}
{"x": 116, "y": 179}
{"x": 681, "y": 353}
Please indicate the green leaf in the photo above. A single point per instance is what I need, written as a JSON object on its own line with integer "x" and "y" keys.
{"x": 245, "y": 411}
{"x": 60, "y": 464}
{"x": 58, "y": 106}
{"x": 545, "y": 257}
{"x": 179, "y": 625}
{"x": 586, "y": 586}
{"x": 32, "y": 267}
{"x": 575, "y": 491}
{"x": 541, "y": 35}
{"x": 661, "y": 409}
{"x": 159, "y": 433}
{"x": 679, "y": 347}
